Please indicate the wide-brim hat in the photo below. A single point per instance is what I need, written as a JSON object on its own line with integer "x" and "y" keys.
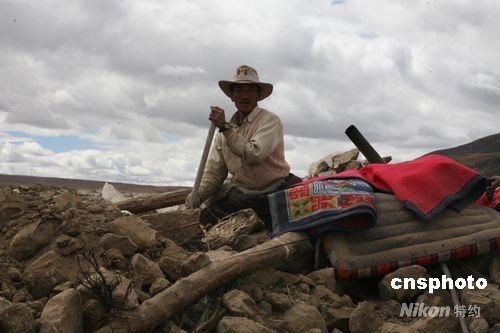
{"x": 247, "y": 75}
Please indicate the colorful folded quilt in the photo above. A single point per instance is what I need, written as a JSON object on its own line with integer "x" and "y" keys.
{"x": 325, "y": 204}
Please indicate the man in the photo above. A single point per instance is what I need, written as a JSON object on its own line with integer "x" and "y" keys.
{"x": 249, "y": 148}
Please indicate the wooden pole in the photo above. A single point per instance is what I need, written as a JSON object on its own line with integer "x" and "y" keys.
{"x": 288, "y": 247}
{"x": 146, "y": 204}
{"x": 363, "y": 145}
{"x": 203, "y": 161}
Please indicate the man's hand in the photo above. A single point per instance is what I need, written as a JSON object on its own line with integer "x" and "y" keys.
{"x": 193, "y": 201}
{"x": 217, "y": 116}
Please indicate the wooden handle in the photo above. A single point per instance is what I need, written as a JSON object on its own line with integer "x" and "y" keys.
{"x": 203, "y": 160}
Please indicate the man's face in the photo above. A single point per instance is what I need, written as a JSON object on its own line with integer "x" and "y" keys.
{"x": 245, "y": 97}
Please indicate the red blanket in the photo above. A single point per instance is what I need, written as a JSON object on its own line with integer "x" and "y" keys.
{"x": 426, "y": 185}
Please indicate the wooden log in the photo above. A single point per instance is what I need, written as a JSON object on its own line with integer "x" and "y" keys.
{"x": 161, "y": 307}
{"x": 146, "y": 204}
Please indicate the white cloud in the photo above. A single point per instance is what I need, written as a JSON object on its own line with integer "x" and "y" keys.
{"x": 170, "y": 70}
{"x": 129, "y": 76}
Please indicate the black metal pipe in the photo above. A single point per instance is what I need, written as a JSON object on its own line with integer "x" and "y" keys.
{"x": 363, "y": 145}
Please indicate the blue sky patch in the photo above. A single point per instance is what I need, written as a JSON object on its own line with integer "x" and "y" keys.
{"x": 337, "y": 2}
{"x": 57, "y": 144}
{"x": 171, "y": 137}
{"x": 368, "y": 35}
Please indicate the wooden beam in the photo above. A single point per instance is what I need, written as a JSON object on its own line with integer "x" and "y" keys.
{"x": 146, "y": 204}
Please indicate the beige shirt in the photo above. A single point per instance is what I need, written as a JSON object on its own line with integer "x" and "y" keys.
{"x": 253, "y": 155}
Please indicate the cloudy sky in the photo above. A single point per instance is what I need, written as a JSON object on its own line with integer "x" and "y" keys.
{"x": 120, "y": 90}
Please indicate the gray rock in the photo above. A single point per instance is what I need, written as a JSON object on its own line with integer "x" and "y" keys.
{"x": 14, "y": 274}
{"x": 440, "y": 297}
{"x": 265, "y": 278}
{"x": 4, "y": 302}
{"x": 96, "y": 312}
{"x": 67, "y": 245}
{"x": 159, "y": 285}
{"x": 124, "y": 295}
{"x": 279, "y": 301}
{"x": 29, "y": 240}
{"x": 386, "y": 291}
{"x": 334, "y": 163}
{"x": 114, "y": 258}
{"x": 48, "y": 271}
{"x": 303, "y": 317}
{"x": 17, "y": 318}
{"x": 319, "y": 167}
{"x": 21, "y": 296}
{"x": 37, "y": 305}
{"x": 336, "y": 317}
{"x": 366, "y": 317}
{"x": 195, "y": 262}
{"x": 325, "y": 295}
{"x": 495, "y": 328}
{"x": 123, "y": 243}
{"x": 13, "y": 208}
{"x": 241, "y": 304}
{"x": 293, "y": 279}
{"x": 266, "y": 308}
{"x": 63, "y": 313}
{"x": 139, "y": 231}
{"x": 449, "y": 324}
{"x": 171, "y": 259}
{"x": 324, "y": 277}
{"x": 148, "y": 270}
{"x": 67, "y": 200}
{"x": 340, "y": 161}
{"x": 70, "y": 228}
{"x": 241, "y": 325}
{"x": 353, "y": 165}
{"x": 488, "y": 301}
{"x": 478, "y": 325}
{"x": 7, "y": 290}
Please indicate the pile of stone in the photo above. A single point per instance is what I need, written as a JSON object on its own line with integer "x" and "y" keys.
{"x": 73, "y": 262}
{"x": 338, "y": 162}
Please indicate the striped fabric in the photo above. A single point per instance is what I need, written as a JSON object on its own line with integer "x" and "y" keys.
{"x": 425, "y": 261}
{"x": 399, "y": 239}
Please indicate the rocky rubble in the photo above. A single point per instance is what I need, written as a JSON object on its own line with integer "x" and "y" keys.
{"x": 70, "y": 261}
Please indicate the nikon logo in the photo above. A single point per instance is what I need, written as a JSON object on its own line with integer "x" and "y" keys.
{"x": 421, "y": 310}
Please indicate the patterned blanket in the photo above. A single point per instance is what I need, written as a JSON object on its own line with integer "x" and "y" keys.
{"x": 324, "y": 204}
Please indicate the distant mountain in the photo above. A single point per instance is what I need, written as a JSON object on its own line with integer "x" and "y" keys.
{"x": 79, "y": 184}
{"x": 482, "y": 155}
